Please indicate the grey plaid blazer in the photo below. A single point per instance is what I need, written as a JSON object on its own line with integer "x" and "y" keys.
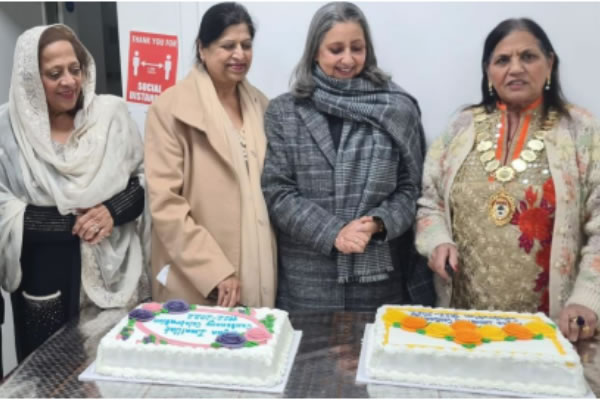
{"x": 299, "y": 188}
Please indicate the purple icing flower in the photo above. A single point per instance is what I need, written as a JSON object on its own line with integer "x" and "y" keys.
{"x": 176, "y": 306}
{"x": 232, "y": 340}
{"x": 141, "y": 315}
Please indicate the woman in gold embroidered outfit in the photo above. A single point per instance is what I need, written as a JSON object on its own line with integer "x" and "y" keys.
{"x": 511, "y": 192}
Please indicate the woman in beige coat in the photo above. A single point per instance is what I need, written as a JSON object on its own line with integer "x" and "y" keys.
{"x": 212, "y": 242}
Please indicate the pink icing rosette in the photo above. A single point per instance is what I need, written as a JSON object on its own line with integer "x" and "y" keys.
{"x": 258, "y": 335}
{"x": 153, "y": 307}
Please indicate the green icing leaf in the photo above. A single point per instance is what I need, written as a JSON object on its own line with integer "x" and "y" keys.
{"x": 131, "y": 322}
{"x": 485, "y": 340}
{"x": 450, "y": 338}
{"x": 469, "y": 345}
{"x": 510, "y": 338}
{"x": 270, "y": 318}
{"x": 126, "y": 331}
{"x": 250, "y": 344}
{"x": 164, "y": 311}
{"x": 397, "y": 325}
{"x": 192, "y": 307}
{"x": 152, "y": 338}
{"x": 162, "y": 341}
{"x": 539, "y": 336}
{"x": 247, "y": 310}
{"x": 268, "y": 322}
{"x": 421, "y": 331}
{"x": 216, "y": 345}
{"x": 553, "y": 326}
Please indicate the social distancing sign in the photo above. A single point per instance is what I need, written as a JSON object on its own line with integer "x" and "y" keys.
{"x": 152, "y": 65}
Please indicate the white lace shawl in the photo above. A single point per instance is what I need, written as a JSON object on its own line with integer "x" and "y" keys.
{"x": 102, "y": 153}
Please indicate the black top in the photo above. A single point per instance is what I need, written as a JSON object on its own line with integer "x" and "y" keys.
{"x": 335, "y": 128}
{"x": 47, "y": 224}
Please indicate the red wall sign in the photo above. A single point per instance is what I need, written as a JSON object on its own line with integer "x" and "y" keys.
{"x": 152, "y": 65}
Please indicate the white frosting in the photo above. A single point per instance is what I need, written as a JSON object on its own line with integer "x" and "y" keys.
{"x": 262, "y": 365}
{"x": 528, "y": 366}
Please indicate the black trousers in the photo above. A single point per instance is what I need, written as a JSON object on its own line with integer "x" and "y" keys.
{"x": 48, "y": 295}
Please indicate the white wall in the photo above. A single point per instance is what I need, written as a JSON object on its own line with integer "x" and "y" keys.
{"x": 14, "y": 19}
{"x": 431, "y": 49}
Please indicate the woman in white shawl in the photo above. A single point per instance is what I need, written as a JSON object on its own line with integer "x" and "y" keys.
{"x": 70, "y": 189}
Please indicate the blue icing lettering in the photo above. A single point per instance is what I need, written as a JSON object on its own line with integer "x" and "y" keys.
{"x": 199, "y": 316}
{"x": 478, "y": 320}
{"x": 174, "y": 331}
{"x": 230, "y": 325}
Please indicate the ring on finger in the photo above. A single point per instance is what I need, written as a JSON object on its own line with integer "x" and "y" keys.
{"x": 586, "y": 329}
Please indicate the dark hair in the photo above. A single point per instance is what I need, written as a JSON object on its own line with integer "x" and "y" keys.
{"x": 218, "y": 18}
{"x": 56, "y": 33}
{"x": 324, "y": 19}
{"x": 554, "y": 97}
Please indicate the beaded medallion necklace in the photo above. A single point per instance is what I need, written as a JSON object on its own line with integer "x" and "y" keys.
{"x": 501, "y": 205}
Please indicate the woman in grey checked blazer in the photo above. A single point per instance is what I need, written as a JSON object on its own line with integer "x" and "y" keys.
{"x": 342, "y": 175}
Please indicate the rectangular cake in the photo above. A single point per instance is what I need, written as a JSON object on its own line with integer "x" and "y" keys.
{"x": 489, "y": 350}
{"x": 174, "y": 341}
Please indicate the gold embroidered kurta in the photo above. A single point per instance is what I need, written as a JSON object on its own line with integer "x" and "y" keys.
{"x": 503, "y": 267}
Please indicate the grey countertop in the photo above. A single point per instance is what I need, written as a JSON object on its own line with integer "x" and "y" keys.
{"x": 325, "y": 365}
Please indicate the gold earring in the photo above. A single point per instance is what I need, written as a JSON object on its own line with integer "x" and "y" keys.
{"x": 548, "y": 82}
{"x": 490, "y": 88}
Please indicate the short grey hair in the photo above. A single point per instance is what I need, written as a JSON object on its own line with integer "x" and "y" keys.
{"x": 302, "y": 81}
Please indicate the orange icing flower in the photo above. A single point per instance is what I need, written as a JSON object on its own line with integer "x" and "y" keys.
{"x": 462, "y": 325}
{"x": 411, "y": 323}
{"x": 467, "y": 336}
{"x": 492, "y": 332}
{"x": 392, "y": 316}
{"x": 438, "y": 330}
{"x": 538, "y": 328}
{"x": 518, "y": 331}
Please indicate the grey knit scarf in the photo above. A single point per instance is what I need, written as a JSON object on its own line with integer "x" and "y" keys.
{"x": 378, "y": 121}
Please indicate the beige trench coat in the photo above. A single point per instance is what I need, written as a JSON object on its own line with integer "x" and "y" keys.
{"x": 194, "y": 196}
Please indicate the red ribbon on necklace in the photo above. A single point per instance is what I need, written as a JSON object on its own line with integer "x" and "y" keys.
{"x": 522, "y": 134}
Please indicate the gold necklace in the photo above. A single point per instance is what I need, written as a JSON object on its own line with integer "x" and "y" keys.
{"x": 501, "y": 205}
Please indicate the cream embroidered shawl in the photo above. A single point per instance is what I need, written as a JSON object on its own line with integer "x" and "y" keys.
{"x": 102, "y": 153}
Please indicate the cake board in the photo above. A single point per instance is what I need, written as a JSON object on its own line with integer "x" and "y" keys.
{"x": 90, "y": 374}
{"x": 362, "y": 377}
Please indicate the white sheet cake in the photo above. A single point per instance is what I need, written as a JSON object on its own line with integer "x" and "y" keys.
{"x": 176, "y": 341}
{"x": 488, "y": 350}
